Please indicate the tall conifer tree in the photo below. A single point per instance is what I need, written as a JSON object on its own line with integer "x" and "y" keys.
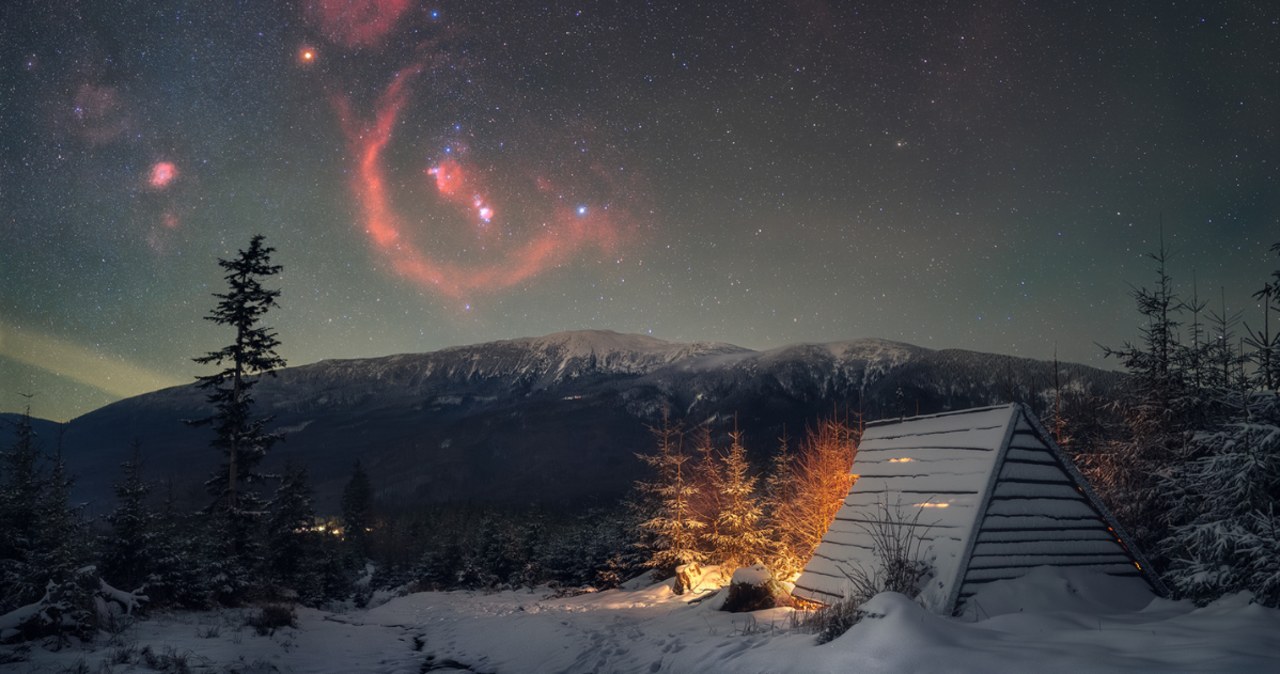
{"x": 239, "y": 436}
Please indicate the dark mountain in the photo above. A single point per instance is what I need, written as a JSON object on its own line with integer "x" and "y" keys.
{"x": 47, "y": 432}
{"x": 550, "y": 419}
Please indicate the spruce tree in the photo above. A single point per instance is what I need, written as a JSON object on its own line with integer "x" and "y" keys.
{"x": 21, "y": 485}
{"x": 357, "y": 512}
{"x": 1225, "y": 513}
{"x": 741, "y": 537}
{"x": 1161, "y": 407}
{"x": 240, "y": 438}
{"x": 706, "y": 479}
{"x": 780, "y": 491}
{"x": 293, "y": 549}
{"x": 672, "y": 524}
{"x": 1264, "y": 340}
{"x": 61, "y": 559}
{"x": 182, "y": 566}
{"x": 129, "y": 551}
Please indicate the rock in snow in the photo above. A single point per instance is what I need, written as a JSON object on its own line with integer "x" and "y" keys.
{"x": 754, "y": 589}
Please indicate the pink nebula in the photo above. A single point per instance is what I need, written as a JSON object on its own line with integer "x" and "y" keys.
{"x": 162, "y": 174}
{"x": 356, "y": 23}
{"x": 562, "y": 236}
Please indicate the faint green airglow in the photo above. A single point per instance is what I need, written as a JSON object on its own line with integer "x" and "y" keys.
{"x": 83, "y": 364}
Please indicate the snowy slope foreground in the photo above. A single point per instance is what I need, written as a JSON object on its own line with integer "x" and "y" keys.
{"x": 1051, "y": 620}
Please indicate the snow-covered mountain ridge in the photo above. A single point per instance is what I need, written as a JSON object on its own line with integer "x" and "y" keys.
{"x": 553, "y": 418}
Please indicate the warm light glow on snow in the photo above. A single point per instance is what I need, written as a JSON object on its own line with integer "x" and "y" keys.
{"x": 905, "y": 459}
{"x": 932, "y": 505}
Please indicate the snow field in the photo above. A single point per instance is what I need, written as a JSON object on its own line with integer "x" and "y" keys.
{"x": 1048, "y": 621}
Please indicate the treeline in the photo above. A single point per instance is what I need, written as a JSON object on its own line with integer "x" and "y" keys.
{"x": 63, "y": 575}
{"x": 475, "y": 547}
{"x": 1191, "y": 464}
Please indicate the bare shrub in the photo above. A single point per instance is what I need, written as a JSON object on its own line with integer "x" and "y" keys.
{"x": 168, "y": 660}
{"x": 272, "y": 617}
{"x": 898, "y": 542}
{"x": 832, "y": 620}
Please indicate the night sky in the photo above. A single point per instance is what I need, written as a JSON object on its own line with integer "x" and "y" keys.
{"x": 983, "y": 175}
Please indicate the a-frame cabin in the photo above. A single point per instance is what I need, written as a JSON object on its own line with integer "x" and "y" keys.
{"x": 996, "y": 498}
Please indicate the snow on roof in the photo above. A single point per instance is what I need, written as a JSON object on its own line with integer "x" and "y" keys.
{"x": 986, "y": 490}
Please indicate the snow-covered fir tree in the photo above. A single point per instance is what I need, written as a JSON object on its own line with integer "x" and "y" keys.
{"x": 1225, "y": 512}
{"x": 741, "y": 536}
{"x": 1161, "y": 407}
{"x": 705, "y": 476}
{"x": 129, "y": 550}
{"x": 182, "y": 569}
{"x": 62, "y": 557}
{"x": 1265, "y": 339}
{"x": 672, "y": 525}
{"x": 780, "y": 491}
{"x": 21, "y": 485}
{"x": 293, "y": 550}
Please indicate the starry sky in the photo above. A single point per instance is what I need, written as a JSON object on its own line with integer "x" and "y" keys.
{"x": 984, "y": 175}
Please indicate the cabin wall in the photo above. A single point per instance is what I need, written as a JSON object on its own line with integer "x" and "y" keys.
{"x": 1038, "y": 515}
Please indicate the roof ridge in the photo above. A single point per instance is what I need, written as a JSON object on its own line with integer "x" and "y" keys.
{"x": 950, "y": 413}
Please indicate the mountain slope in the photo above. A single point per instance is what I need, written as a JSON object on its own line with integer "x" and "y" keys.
{"x": 555, "y": 418}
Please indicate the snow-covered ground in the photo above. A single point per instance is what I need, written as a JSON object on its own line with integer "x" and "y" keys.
{"x": 1049, "y": 621}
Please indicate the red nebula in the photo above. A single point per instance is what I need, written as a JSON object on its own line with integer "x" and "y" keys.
{"x": 163, "y": 173}
{"x": 449, "y": 177}
{"x": 357, "y": 23}
{"x": 562, "y": 236}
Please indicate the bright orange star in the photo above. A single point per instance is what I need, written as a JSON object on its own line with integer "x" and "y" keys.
{"x": 307, "y": 55}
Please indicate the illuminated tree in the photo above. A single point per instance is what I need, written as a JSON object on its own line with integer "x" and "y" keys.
{"x": 803, "y": 506}
{"x": 780, "y": 489}
{"x": 708, "y": 488}
{"x": 740, "y": 537}
{"x": 672, "y": 524}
